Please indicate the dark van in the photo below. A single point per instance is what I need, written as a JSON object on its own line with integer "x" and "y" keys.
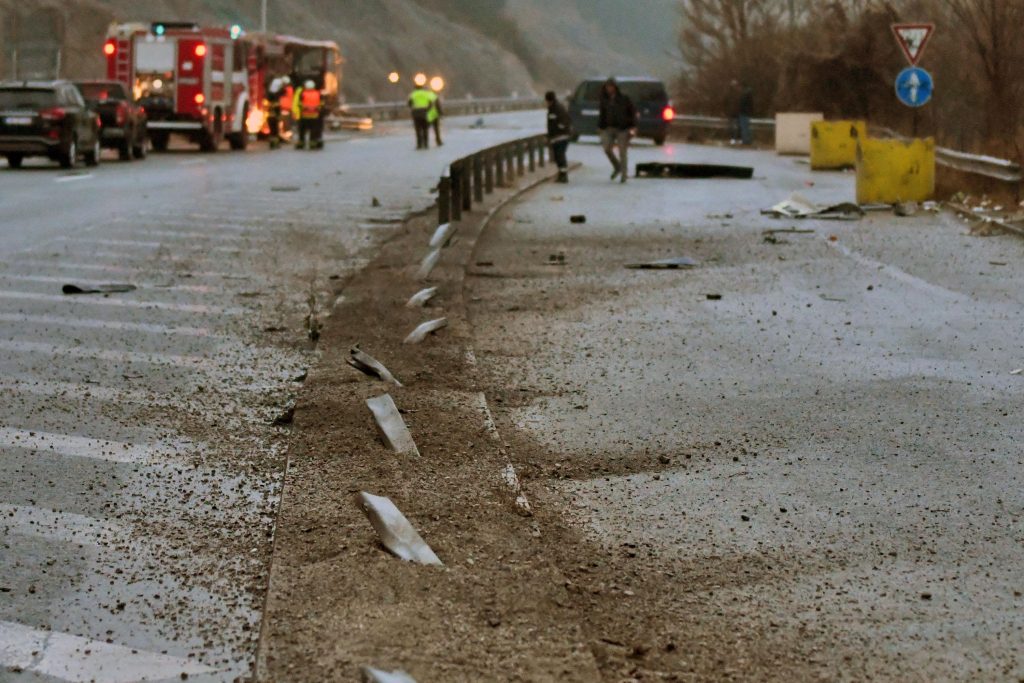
{"x": 653, "y": 107}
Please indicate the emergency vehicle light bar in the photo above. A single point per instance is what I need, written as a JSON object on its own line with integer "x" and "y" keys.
{"x": 160, "y": 27}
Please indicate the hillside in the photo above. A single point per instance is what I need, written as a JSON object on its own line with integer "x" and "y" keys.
{"x": 482, "y": 47}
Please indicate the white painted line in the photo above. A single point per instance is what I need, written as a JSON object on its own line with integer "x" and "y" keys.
{"x": 196, "y": 289}
{"x": 76, "y": 446}
{"x": 72, "y": 178}
{"x": 141, "y": 244}
{"x": 485, "y": 410}
{"x": 80, "y": 660}
{"x": 198, "y": 235}
{"x": 112, "y": 356}
{"x": 71, "y": 265}
{"x": 897, "y": 274}
{"x": 93, "y": 300}
{"x": 193, "y": 162}
{"x": 96, "y": 324}
{"x": 60, "y": 526}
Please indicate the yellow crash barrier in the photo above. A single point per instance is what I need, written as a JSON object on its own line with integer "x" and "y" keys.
{"x": 834, "y": 144}
{"x": 891, "y": 171}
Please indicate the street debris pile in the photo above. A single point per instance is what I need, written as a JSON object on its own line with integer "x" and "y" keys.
{"x": 693, "y": 171}
{"x": 797, "y": 206}
{"x": 987, "y": 217}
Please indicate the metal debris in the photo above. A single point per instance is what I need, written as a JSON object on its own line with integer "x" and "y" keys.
{"x": 395, "y": 532}
{"x": 98, "y": 289}
{"x": 798, "y": 206}
{"x": 696, "y": 171}
{"x": 665, "y": 264}
{"x": 371, "y": 675}
{"x": 428, "y": 264}
{"x": 369, "y": 365}
{"x": 391, "y": 425}
{"x": 420, "y": 298}
{"x": 442, "y": 236}
{"x": 421, "y": 332}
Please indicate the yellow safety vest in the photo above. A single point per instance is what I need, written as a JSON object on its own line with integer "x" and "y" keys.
{"x": 421, "y": 99}
{"x": 434, "y": 114}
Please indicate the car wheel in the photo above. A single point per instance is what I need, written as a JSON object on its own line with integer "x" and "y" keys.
{"x": 160, "y": 141}
{"x": 69, "y": 157}
{"x": 14, "y": 160}
{"x": 92, "y": 157}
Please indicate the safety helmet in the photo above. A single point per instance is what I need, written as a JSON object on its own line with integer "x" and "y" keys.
{"x": 286, "y": 80}
{"x": 309, "y": 85}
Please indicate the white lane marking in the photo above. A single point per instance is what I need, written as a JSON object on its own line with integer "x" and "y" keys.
{"x": 76, "y": 446}
{"x": 198, "y": 289}
{"x": 91, "y": 300}
{"x": 897, "y": 274}
{"x": 71, "y": 265}
{"x": 485, "y": 410}
{"x": 59, "y": 351}
{"x": 196, "y": 235}
{"x": 72, "y": 178}
{"x": 193, "y": 162}
{"x": 79, "y": 660}
{"x": 96, "y": 324}
{"x": 66, "y": 527}
{"x": 142, "y": 244}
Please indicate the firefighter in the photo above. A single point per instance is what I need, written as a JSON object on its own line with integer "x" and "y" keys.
{"x": 275, "y": 113}
{"x": 285, "y": 102}
{"x": 434, "y": 117}
{"x": 421, "y": 102}
{"x": 307, "y": 110}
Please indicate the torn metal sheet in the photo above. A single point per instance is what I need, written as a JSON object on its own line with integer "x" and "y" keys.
{"x": 420, "y": 298}
{"x": 798, "y": 206}
{"x": 695, "y": 171}
{"x": 428, "y": 264}
{"x": 369, "y": 365}
{"x": 421, "y": 332}
{"x": 391, "y": 425}
{"x": 442, "y": 236}
{"x": 665, "y": 264}
{"x": 395, "y": 532}
{"x": 98, "y": 289}
{"x": 371, "y": 675}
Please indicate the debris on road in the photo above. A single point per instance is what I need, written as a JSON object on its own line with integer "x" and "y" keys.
{"x": 375, "y": 203}
{"x": 714, "y": 297}
{"x": 556, "y": 259}
{"x": 391, "y": 425}
{"x": 1018, "y": 371}
{"x": 906, "y": 209}
{"x": 798, "y": 206}
{"x": 395, "y": 532}
{"x": 421, "y": 332}
{"x": 285, "y": 418}
{"x": 285, "y": 188}
{"x": 371, "y": 675}
{"x": 421, "y": 298}
{"x": 515, "y": 488}
{"x": 368, "y": 365}
{"x": 788, "y": 231}
{"x": 693, "y": 171}
{"x": 665, "y": 264}
{"x": 97, "y": 289}
{"x": 442, "y": 236}
{"x": 579, "y": 218}
{"x": 428, "y": 264}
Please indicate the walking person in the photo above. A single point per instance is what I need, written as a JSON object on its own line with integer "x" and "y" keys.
{"x": 743, "y": 113}
{"x": 307, "y": 110}
{"x": 616, "y": 124}
{"x": 434, "y": 117}
{"x": 420, "y": 103}
{"x": 559, "y": 134}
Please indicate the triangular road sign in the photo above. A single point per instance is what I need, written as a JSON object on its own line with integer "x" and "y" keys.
{"x": 913, "y": 38}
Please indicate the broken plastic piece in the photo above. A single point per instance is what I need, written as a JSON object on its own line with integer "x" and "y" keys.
{"x": 660, "y": 170}
{"x": 665, "y": 264}
{"x": 391, "y": 425}
{"x": 428, "y": 264}
{"x": 369, "y": 365}
{"x": 371, "y": 675}
{"x": 421, "y": 332}
{"x": 98, "y": 289}
{"x": 442, "y": 236}
{"x": 798, "y": 206}
{"x": 420, "y": 298}
{"x": 395, "y": 531}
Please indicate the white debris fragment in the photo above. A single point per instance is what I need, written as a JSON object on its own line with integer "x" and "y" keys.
{"x": 391, "y": 425}
{"x": 395, "y": 531}
{"x": 421, "y": 332}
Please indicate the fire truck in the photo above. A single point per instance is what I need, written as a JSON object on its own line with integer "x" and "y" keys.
{"x": 208, "y": 84}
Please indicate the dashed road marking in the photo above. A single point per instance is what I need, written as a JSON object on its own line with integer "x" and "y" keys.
{"x": 125, "y": 303}
{"x": 46, "y": 279}
{"x": 96, "y": 324}
{"x": 128, "y": 270}
{"x": 67, "y": 527}
{"x": 77, "y": 446}
{"x": 72, "y": 178}
{"x": 113, "y": 356}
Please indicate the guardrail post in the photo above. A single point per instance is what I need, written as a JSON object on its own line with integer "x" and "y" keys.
{"x": 489, "y": 172}
{"x": 520, "y": 159}
{"x": 478, "y": 179}
{"x": 467, "y": 185}
{"x": 444, "y": 201}
{"x": 499, "y": 166}
{"x": 456, "y": 191}
{"x": 510, "y": 160}
{"x": 533, "y": 144}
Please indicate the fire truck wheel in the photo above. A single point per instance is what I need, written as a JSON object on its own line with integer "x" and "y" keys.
{"x": 160, "y": 141}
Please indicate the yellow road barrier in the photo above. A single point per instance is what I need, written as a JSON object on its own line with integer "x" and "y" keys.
{"x": 834, "y": 144}
{"x": 891, "y": 171}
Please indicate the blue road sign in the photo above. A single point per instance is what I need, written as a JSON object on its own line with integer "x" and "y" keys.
{"x": 914, "y": 87}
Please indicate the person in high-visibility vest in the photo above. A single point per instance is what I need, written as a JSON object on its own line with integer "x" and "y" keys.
{"x": 307, "y": 111}
{"x": 421, "y": 101}
{"x": 434, "y": 117}
{"x": 285, "y": 100}
{"x": 275, "y": 114}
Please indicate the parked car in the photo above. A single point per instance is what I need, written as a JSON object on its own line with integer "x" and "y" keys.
{"x": 123, "y": 119}
{"x": 47, "y": 119}
{"x": 653, "y": 108}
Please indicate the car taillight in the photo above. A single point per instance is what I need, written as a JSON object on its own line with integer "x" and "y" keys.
{"x": 53, "y": 114}
{"x": 122, "y": 113}
{"x": 668, "y": 113}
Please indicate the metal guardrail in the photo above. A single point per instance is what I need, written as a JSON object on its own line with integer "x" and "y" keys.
{"x": 390, "y": 111}
{"x": 471, "y": 177}
{"x": 975, "y": 164}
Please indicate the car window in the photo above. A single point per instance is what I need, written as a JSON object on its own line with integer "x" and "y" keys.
{"x": 27, "y": 98}
{"x": 638, "y": 91}
{"x": 101, "y": 92}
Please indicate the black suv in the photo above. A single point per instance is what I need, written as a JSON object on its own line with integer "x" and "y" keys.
{"x": 653, "y": 108}
{"x": 47, "y": 119}
{"x": 123, "y": 120}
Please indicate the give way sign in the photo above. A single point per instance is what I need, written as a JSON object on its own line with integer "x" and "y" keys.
{"x": 913, "y": 38}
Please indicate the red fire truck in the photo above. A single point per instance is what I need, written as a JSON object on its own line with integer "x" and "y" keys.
{"x": 193, "y": 81}
{"x": 208, "y": 83}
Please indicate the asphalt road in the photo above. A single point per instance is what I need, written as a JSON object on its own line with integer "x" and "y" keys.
{"x": 799, "y": 460}
{"x": 139, "y": 472}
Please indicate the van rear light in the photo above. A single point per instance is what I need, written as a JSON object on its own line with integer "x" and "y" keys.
{"x": 53, "y": 114}
{"x": 668, "y": 113}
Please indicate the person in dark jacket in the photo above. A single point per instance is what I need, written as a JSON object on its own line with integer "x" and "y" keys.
{"x": 744, "y": 112}
{"x": 616, "y": 124}
{"x": 559, "y": 133}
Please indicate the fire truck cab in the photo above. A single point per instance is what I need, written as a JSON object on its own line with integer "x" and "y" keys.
{"x": 192, "y": 81}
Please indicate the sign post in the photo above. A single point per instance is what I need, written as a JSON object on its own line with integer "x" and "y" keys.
{"x": 914, "y": 85}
